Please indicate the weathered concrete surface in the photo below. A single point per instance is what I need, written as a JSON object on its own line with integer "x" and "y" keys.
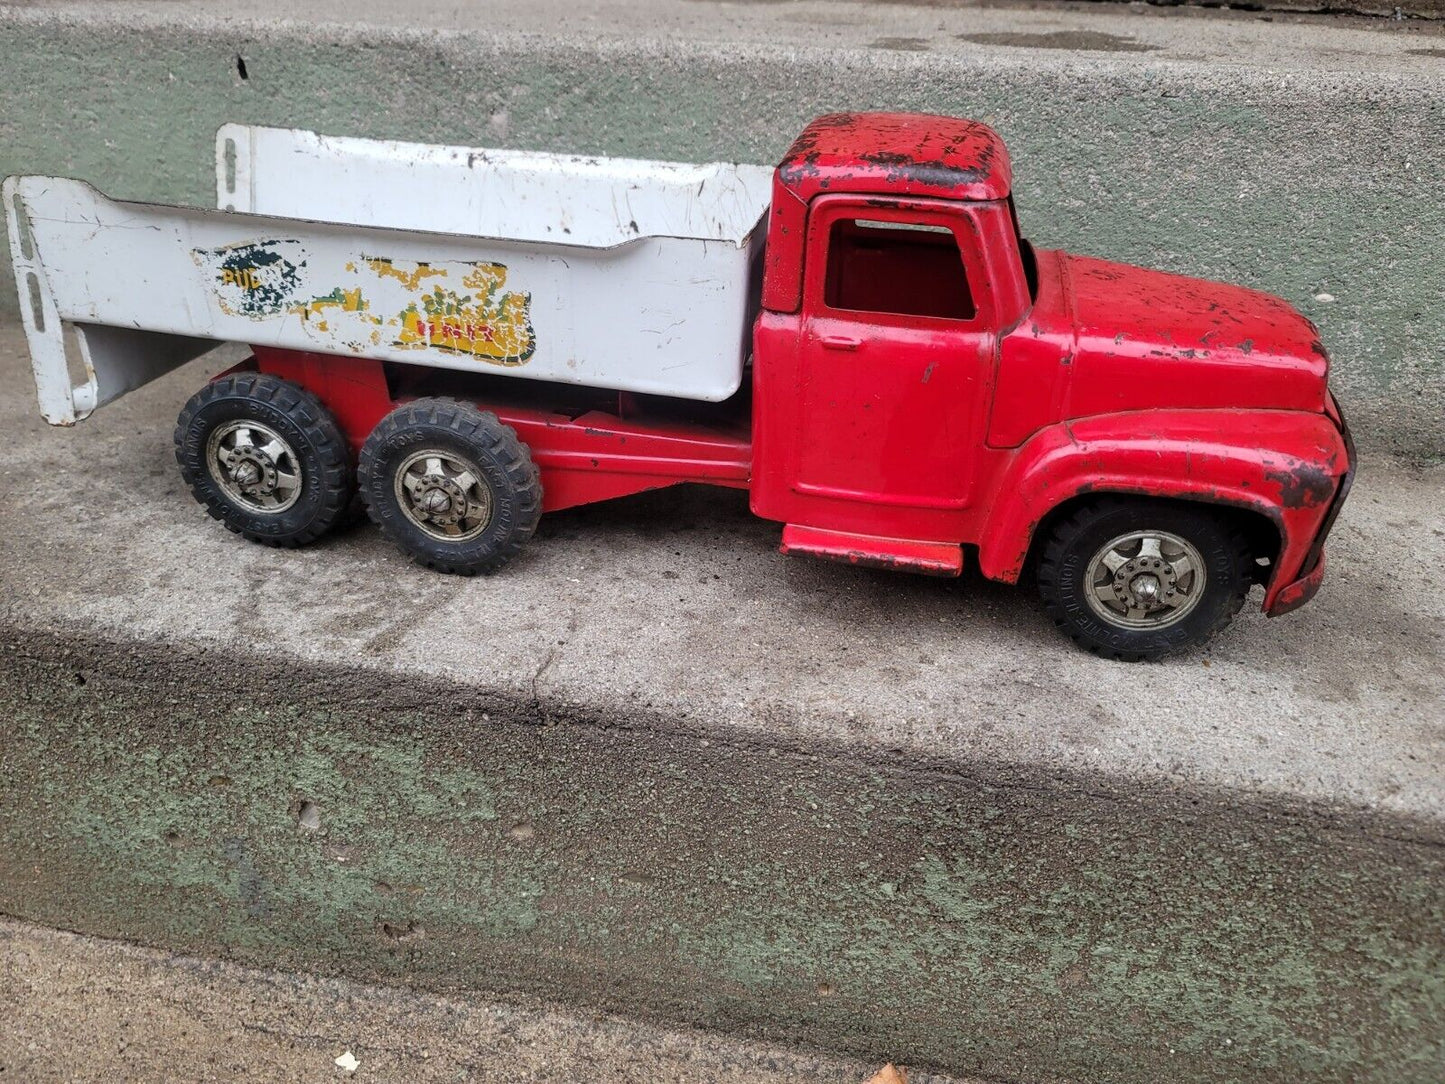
{"x": 80, "y": 1009}
{"x": 1297, "y": 155}
{"x": 657, "y": 768}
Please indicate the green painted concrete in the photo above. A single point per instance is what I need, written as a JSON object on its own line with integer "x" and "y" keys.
{"x": 989, "y": 921}
{"x": 1301, "y": 183}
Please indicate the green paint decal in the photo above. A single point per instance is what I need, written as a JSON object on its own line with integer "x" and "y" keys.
{"x": 253, "y": 278}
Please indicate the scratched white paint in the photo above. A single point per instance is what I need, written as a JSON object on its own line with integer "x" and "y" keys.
{"x": 342, "y": 246}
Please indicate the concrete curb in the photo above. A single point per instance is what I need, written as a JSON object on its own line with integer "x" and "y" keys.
{"x": 1299, "y": 157}
{"x": 656, "y": 767}
{"x": 985, "y": 920}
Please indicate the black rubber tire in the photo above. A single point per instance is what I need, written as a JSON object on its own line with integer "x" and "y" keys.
{"x": 505, "y": 467}
{"x": 1074, "y": 541}
{"x": 323, "y": 456}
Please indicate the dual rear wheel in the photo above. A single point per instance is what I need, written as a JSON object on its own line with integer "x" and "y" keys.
{"x": 265, "y": 458}
{"x": 448, "y": 483}
{"x": 451, "y": 485}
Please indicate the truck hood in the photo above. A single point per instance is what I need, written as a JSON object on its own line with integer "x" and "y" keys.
{"x": 1146, "y": 339}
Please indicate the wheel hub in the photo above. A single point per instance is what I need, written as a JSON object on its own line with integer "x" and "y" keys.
{"x": 1145, "y": 582}
{"x": 255, "y": 466}
{"x": 444, "y": 494}
{"x": 440, "y": 501}
{"x": 252, "y": 470}
{"x": 1145, "y": 589}
{"x": 1145, "y": 579}
{"x": 246, "y": 473}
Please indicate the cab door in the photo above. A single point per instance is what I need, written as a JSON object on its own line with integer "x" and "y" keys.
{"x": 896, "y": 360}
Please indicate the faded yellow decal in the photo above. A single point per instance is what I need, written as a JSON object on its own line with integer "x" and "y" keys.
{"x": 410, "y": 279}
{"x": 244, "y": 277}
{"x": 338, "y": 300}
{"x": 483, "y": 321}
{"x": 255, "y": 278}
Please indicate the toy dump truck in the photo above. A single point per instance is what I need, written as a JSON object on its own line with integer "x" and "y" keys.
{"x": 861, "y": 338}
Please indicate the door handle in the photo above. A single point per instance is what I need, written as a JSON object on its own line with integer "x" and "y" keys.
{"x": 840, "y": 342}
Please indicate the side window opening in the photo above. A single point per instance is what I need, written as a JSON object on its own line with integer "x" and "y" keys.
{"x": 905, "y": 269}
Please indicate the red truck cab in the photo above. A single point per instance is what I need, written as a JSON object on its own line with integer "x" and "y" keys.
{"x": 925, "y": 378}
{"x": 923, "y": 381}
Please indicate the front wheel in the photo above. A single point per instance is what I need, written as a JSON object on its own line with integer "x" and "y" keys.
{"x": 1136, "y": 579}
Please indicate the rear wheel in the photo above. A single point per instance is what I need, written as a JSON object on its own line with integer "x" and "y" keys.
{"x": 265, "y": 458}
{"x": 451, "y": 485}
{"x": 1136, "y": 579}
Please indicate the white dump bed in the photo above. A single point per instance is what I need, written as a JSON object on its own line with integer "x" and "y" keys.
{"x": 638, "y": 276}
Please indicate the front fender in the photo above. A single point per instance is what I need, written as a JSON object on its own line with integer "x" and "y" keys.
{"x": 1285, "y": 465}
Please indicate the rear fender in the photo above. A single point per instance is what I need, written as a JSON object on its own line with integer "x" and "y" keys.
{"x": 1284, "y": 465}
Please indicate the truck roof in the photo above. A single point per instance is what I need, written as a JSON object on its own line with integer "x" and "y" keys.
{"x": 915, "y": 154}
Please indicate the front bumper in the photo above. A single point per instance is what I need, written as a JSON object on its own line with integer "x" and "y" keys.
{"x": 1295, "y": 594}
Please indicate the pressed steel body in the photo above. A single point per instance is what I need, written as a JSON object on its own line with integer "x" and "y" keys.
{"x": 922, "y": 379}
{"x": 1109, "y": 378}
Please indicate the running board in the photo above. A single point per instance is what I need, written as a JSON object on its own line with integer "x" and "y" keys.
{"x": 899, "y": 554}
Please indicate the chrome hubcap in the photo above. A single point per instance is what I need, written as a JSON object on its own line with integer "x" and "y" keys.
{"x": 444, "y": 495}
{"x": 255, "y": 466}
{"x": 1145, "y": 580}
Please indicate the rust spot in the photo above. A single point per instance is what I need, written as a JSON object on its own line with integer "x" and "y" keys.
{"x": 919, "y": 160}
{"x": 1303, "y": 486}
{"x": 888, "y": 561}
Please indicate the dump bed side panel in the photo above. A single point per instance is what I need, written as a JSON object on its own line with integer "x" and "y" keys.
{"x": 655, "y": 315}
{"x": 577, "y": 200}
